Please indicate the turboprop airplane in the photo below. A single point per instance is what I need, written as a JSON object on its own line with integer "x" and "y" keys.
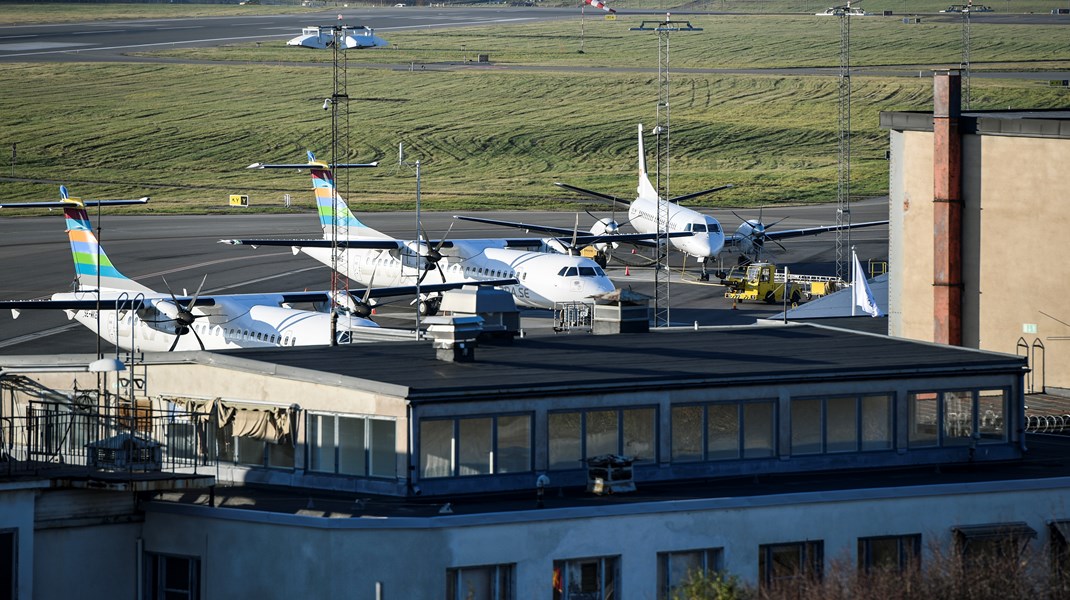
{"x": 545, "y": 276}
{"x": 132, "y": 316}
{"x": 707, "y": 238}
{"x": 353, "y": 37}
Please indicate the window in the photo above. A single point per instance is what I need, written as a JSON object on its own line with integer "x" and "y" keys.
{"x": 587, "y": 579}
{"x": 923, "y": 417}
{"x": 783, "y": 564}
{"x": 1060, "y": 550}
{"x": 876, "y": 422}
{"x": 352, "y": 445}
{"x": 686, "y": 433}
{"x": 676, "y": 568}
{"x": 957, "y": 418}
{"x": 759, "y": 423}
{"x": 713, "y": 431}
{"x": 992, "y": 545}
{"x": 895, "y": 553}
{"x": 492, "y": 582}
{"x": 172, "y": 577}
{"x": 578, "y": 435}
{"x": 475, "y": 446}
{"x": 840, "y": 424}
{"x": 722, "y": 431}
{"x": 806, "y": 426}
{"x": 9, "y": 564}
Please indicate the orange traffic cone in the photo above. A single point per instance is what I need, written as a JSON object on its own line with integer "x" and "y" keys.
{"x": 375, "y": 312}
{"x": 626, "y": 271}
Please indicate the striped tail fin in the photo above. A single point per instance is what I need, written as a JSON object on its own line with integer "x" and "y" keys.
{"x": 87, "y": 253}
{"x": 327, "y": 197}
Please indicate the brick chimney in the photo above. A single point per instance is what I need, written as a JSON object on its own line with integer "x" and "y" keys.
{"x": 947, "y": 208}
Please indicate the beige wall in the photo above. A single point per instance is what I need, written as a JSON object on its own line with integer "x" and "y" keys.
{"x": 1016, "y": 220}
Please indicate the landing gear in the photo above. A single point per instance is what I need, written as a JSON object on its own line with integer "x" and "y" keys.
{"x": 705, "y": 276}
{"x": 429, "y": 306}
{"x": 601, "y": 259}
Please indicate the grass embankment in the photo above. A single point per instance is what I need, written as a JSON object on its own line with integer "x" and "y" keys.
{"x": 57, "y": 12}
{"x": 494, "y": 138}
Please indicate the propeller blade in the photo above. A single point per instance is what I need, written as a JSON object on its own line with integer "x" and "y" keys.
{"x": 174, "y": 343}
{"x": 197, "y": 337}
{"x": 575, "y": 232}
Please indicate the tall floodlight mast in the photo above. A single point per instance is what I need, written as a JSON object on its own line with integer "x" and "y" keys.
{"x": 661, "y": 137}
{"x": 339, "y": 106}
{"x": 966, "y": 54}
{"x": 843, "y": 183}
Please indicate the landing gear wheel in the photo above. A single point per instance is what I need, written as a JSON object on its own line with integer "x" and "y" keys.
{"x": 429, "y": 307}
{"x": 795, "y": 297}
{"x": 770, "y": 297}
{"x": 601, "y": 259}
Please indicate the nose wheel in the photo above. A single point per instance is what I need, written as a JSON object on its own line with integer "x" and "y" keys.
{"x": 429, "y": 307}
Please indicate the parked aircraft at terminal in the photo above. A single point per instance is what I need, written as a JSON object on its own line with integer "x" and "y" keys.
{"x": 544, "y": 277}
{"x": 133, "y": 316}
{"x": 703, "y": 236}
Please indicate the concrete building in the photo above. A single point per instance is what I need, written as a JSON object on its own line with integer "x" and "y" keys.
{"x": 381, "y": 471}
{"x": 978, "y": 220}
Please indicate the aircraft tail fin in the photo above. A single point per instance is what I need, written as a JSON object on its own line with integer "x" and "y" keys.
{"x": 646, "y": 189}
{"x": 90, "y": 260}
{"x": 328, "y": 199}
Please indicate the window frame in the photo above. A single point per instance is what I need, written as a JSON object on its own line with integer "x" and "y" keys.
{"x": 456, "y": 440}
{"x": 908, "y": 552}
{"x": 561, "y": 576}
{"x": 811, "y": 562}
{"x": 368, "y": 441}
{"x": 155, "y": 568}
{"x": 976, "y": 437}
{"x": 504, "y": 575}
{"x": 666, "y": 588}
{"x": 622, "y": 443}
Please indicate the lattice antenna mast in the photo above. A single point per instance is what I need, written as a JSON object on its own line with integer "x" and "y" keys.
{"x": 843, "y": 184}
{"x": 661, "y": 135}
{"x": 339, "y": 106}
{"x": 966, "y": 54}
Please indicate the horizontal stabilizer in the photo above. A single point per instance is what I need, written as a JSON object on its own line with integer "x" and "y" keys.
{"x": 686, "y": 197}
{"x": 383, "y": 244}
{"x": 75, "y": 202}
{"x": 593, "y": 194}
{"x": 316, "y": 165}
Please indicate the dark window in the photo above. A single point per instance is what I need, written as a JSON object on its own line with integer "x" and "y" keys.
{"x": 997, "y": 545}
{"x": 490, "y": 582}
{"x": 170, "y": 577}
{"x": 587, "y": 579}
{"x": 676, "y": 568}
{"x": 784, "y": 564}
{"x": 893, "y": 553}
{"x": 9, "y": 564}
{"x": 1060, "y": 551}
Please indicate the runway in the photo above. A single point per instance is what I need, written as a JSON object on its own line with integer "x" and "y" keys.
{"x": 184, "y": 249}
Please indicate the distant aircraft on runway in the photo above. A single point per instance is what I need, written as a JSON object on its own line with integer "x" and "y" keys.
{"x": 134, "y": 316}
{"x": 649, "y": 211}
{"x": 353, "y": 37}
{"x": 544, "y": 277}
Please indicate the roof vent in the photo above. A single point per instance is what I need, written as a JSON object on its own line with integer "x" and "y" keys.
{"x": 453, "y": 337}
{"x": 501, "y": 319}
{"x": 621, "y": 311}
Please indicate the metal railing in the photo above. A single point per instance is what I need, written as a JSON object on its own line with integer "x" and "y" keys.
{"x": 54, "y": 435}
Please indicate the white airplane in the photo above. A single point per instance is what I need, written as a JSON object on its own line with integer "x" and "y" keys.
{"x": 161, "y": 321}
{"x": 544, "y": 276}
{"x": 355, "y": 37}
{"x": 706, "y": 240}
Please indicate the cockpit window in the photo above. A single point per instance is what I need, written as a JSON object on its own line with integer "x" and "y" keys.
{"x": 600, "y": 272}
{"x": 715, "y": 228}
{"x": 561, "y": 273}
{"x": 571, "y": 272}
{"x": 698, "y": 227}
{"x": 587, "y": 272}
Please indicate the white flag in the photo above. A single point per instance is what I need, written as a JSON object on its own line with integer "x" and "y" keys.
{"x": 862, "y": 296}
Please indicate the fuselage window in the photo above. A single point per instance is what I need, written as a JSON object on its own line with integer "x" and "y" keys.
{"x": 272, "y": 338}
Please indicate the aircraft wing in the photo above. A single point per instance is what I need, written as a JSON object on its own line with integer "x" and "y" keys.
{"x": 565, "y": 234}
{"x": 67, "y": 204}
{"x": 384, "y": 244}
{"x": 794, "y": 233}
{"x": 92, "y": 304}
{"x": 593, "y": 194}
{"x": 386, "y": 292}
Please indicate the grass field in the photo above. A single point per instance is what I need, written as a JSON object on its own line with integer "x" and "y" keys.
{"x": 494, "y": 138}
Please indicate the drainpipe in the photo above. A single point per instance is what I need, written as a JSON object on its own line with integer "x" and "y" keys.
{"x": 947, "y": 208}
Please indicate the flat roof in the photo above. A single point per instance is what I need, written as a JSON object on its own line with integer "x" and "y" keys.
{"x": 661, "y": 359}
{"x": 1051, "y": 123}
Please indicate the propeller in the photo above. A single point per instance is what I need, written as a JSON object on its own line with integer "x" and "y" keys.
{"x": 434, "y": 254}
{"x": 184, "y": 316}
{"x": 362, "y": 309}
{"x": 758, "y": 233}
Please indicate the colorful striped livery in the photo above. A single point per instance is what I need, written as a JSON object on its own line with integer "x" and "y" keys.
{"x": 87, "y": 252}
{"x": 327, "y": 197}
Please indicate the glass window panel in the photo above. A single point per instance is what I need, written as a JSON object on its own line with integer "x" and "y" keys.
{"x": 876, "y": 422}
{"x": 436, "y": 448}
{"x": 722, "y": 431}
{"x": 250, "y": 451}
{"x": 674, "y": 570}
{"x": 564, "y": 440}
{"x": 805, "y": 426}
{"x": 383, "y": 448}
{"x": 923, "y": 418}
{"x": 514, "y": 444}
{"x": 602, "y": 433}
{"x": 758, "y": 423}
{"x": 351, "y": 446}
{"x": 474, "y": 448}
{"x": 640, "y": 434}
{"x": 841, "y": 425}
{"x": 958, "y": 418}
{"x": 281, "y": 455}
{"x": 786, "y": 561}
{"x": 884, "y": 553}
{"x": 476, "y": 583}
{"x": 686, "y": 433}
{"x": 321, "y": 443}
{"x": 991, "y": 415}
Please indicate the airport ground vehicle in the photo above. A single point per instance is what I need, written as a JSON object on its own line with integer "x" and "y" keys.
{"x": 762, "y": 281}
